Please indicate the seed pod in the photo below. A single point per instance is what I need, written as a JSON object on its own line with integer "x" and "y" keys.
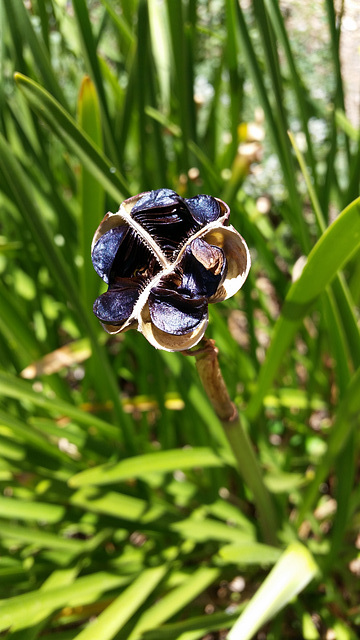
{"x": 164, "y": 258}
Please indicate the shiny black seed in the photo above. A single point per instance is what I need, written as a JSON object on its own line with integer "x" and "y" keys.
{"x": 198, "y": 280}
{"x": 105, "y": 250}
{"x": 133, "y": 258}
{"x": 165, "y": 216}
{"x": 116, "y": 305}
{"x": 204, "y": 209}
{"x": 155, "y": 199}
{"x": 175, "y": 313}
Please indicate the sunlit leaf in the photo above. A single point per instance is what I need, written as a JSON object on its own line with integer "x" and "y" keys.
{"x": 140, "y": 466}
{"x": 331, "y": 252}
{"x": 291, "y": 574}
{"x": 74, "y": 137}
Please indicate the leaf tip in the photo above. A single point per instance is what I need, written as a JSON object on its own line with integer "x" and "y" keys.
{"x": 86, "y": 85}
{"x": 18, "y": 76}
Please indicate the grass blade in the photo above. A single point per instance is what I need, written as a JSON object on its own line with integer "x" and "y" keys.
{"x": 17, "y": 13}
{"x": 297, "y": 83}
{"x": 39, "y": 604}
{"x": 139, "y": 466}
{"x": 276, "y": 130}
{"x": 11, "y": 387}
{"x": 341, "y": 291}
{"x": 335, "y": 247}
{"x": 92, "y": 197}
{"x": 249, "y": 553}
{"x": 291, "y": 574}
{"x": 174, "y": 601}
{"x": 89, "y": 47}
{"x": 74, "y": 138}
{"x": 347, "y": 418}
{"x": 109, "y": 623}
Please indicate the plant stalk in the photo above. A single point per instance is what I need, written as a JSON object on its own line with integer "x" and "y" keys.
{"x": 207, "y": 364}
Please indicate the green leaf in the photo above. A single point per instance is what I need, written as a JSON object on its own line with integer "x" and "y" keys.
{"x": 23, "y": 194}
{"x": 335, "y": 247}
{"x": 291, "y": 574}
{"x": 140, "y": 466}
{"x": 82, "y": 15}
{"x": 30, "y": 436}
{"x": 11, "y": 387}
{"x": 160, "y": 38}
{"x": 13, "y": 323}
{"x": 25, "y": 32}
{"x": 200, "y": 626}
{"x": 174, "y": 601}
{"x": 41, "y": 539}
{"x": 274, "y": 120}
{"x": 126, "y": 36}
{"x": 117, "y": 505}
{"x": 30, "y": 510}
{"x": 11, "y": 450}
{"x": 249, "y": 553}
{"x": 76, "y": 140}
{"x": 282, "y": 482}
{"x": 202, "y": 530}
{"x": 347, "y": 418}
{"x": 341, "y": 292}
{"x": 33, "y": 219}
{"x": 38, "y": 604}
{"x": 183, "y": 73}
{"x": 92, "y": 196}
{"x": 124, "y": 606}
{"x": 344, "y": 123}
{"x": 58, "y": 578}
{"x": 297, "y": 83}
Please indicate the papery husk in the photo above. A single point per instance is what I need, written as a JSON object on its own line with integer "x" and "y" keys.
{"x": 168, "y": 341}
{"x": 112, "y": 329}
{"x": 237, "y": 257}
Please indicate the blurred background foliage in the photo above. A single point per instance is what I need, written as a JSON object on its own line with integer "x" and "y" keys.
{"x": 120, "y": 503}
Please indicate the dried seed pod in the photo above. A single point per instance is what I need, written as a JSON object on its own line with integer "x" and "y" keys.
{"x": 164, "y": 259}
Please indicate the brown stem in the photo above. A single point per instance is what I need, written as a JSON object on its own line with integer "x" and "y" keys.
{"x": 207, "y": 364}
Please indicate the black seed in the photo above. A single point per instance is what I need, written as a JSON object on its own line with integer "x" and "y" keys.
{"x": 204, "y": 209}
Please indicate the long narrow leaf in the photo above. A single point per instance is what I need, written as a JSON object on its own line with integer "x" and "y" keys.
{"x": 12, "y": 508}
{"x": 291, "y": 574}
{"x": 91, "y": 191}
{"x": 75, "y": 139}
{"x": 11, "y": 387}
{"x": 123, "y": 608}
{"x": 90, "y": 53}
{"x": 135, "y": 467}
{"x": 332, "y": 251}
{"x": 341, "y": 291}
{"x": 347, "y": 418}
{"x": 18, "y": 13}
{"x": 174, "y": 601}
{"x": 38, "y": 604}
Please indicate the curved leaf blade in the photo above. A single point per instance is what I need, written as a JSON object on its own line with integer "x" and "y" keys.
{"x": 92, "y": 196}
{"x": 77, "y": 140}
{"x": 115, "y": 616}
{"x": 335, "y": 247}
{"x": 39, "y": 604}
{"x": 139, "y": 466}
{"x": 291, "y": 574}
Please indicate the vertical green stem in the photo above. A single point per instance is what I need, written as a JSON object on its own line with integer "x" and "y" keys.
{"x": 235, "y": 430}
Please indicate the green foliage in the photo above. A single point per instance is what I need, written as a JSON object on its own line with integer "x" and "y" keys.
{"x": 120, "y": 500}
